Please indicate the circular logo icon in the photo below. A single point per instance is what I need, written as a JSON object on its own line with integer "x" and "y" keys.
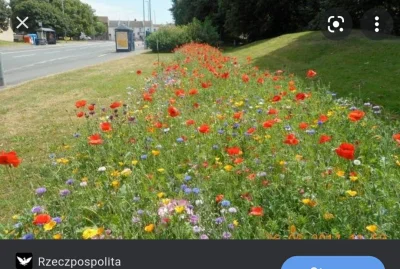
{"x": 377, "y": 24}
{"x": 336, "y": 24}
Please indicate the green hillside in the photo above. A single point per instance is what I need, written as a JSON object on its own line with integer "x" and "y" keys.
{"x": 366, "y": 69}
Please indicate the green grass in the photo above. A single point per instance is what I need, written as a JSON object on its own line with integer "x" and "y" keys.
{"x": 365, "y": 69}
{"x": 10, "y": 44}
{"x": 37, "y": 117}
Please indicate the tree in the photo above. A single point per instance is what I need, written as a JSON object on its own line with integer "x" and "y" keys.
{"x": 5, "y": 13}
{"x": 100, "y": 28}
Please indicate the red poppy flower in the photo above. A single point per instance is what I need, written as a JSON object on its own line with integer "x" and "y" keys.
{"x": 80, "y": 114}
{"x": 158, "y": 125}
{"x": 396, "y": 137}
{"x": 291, "y": 140}
{"x": 276, "y": 98}
{"x": 303, "y": 125}
{"x": 80, "y": 103}
{"x": 190, "y": 122}
{"x": 91, "y": 107}
{"x": 204, "y": 129}
{"x": 256, "y": 211}
{"x": 251, "y": 130}
{"x": 346, "y": 150}
{"x": 225, "y": 75}
{"x": 42, "y": 219}
{"x": 172, "y": 101}
{"x": 206, "y": 85}
{"x": 237, "y": 115}
{"x": 193, "y": 92}
{"x": 311, "y": 73}
{"x": 106, "y": 127}
{"x": 234, "y": 151}
{"x": 324, "y": 138}
{"x": 272, "y": 111}
{"x": 173, "y": 111}
{"x": 219, "y": 198}
{"x": 238, "y": 160}
{"x": 260, "y": 81}
{"x": 356, "y": 115}
{"x": 323, "y": 118}
{"x": 9, "y": 158}
{"x": 180, "y": 93}
{"x": 245, "y": 78}
{"x": 139, "y": 72}
{"x": 268, "y": 123}
{"x": 115, "y": 105}
{"x": 196, "y": 105}
{"x": 147, "y": 97}
{"x": 95, "y": 139}
{"x": 301, "y": 96}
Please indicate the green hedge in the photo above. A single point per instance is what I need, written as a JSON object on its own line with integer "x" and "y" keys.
{"x": 170, "y": 37}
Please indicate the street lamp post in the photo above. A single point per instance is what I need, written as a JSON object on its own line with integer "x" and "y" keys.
{"x": 65, "y": 30}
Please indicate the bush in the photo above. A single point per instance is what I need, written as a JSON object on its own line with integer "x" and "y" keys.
{"x": 169, "y": 38}
{"x": 203, "y": 32}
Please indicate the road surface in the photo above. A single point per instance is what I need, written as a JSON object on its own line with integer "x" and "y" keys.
{"x": 31, "y": 62}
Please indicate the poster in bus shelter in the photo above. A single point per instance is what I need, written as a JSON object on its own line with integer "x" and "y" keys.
{"x": 122, "y": 40}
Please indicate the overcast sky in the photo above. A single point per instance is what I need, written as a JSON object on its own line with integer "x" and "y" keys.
{"x": 132, "y": 9}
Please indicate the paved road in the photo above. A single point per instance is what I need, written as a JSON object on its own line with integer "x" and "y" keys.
{"x": 30, "y": 62}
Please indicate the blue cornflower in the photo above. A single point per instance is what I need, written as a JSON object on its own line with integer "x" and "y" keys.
{"x": 28, "y": 237}
{"x": 225, "y": 203}
{"x": 187, "y": 178}
{"x": 179, "y": 140}
{"x": 221, "y": 131}
{"x": 226, "y": 235}
{"x": 188, "y": 190}
{"x": 40, "y": 191}
{"x": 17, "y": 225}
{"x": 311, "y": 132}
{"x": 236, "y": 125}
{"x": 196, "y": 190}
{"x": 219, "y": 220}
{"x": 36, "y": 209}
{"x": 69, "y": 181}
{"x": 143, "y": 157}
{"x": 65, "y": 192}
{"x": 58, "y": 220}
{"x": 215, "y": 147}
{"x": 140, "y": 212}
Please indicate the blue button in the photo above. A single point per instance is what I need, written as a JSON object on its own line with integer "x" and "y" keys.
{"x": 339, "y": 262}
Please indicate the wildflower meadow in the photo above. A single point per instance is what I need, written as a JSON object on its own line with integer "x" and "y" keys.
{"x": 214, "y": 148}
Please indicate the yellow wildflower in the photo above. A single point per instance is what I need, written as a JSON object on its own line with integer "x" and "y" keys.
{"x": 84, "y": 179}
{"x": 155, "y": 152}
{"x": 89, "y": 233}
{"x": 135, "y": 162}
{"x": 228, "y": 168}
{"x": 160, "y": 195}
{"x": 328, "y": 216}
{"x": 340, "y": 173}
{"x": 236, "y": 223}
{"x": 149, "y": 228}
{"x": 121, "y": 164}
{"x": 166, "y": 201}
{"x": 57, "y": 236}
{"x": 351, "y": 193}
{"x": 50, "y": 226}
{"x": 353, "y": 178}
{"x": 116, "y": 183}
{"x": 372, "y": 228}
{"x": 299, "y": 157}
{"x": 15, "y": 217}
{"x": 161, "y": 170}
{"x": 63, "y": 161}
{"x": 179, "y": 209}
{"x": 115, "y": 173}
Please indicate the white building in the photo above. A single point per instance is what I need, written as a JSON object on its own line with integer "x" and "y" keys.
{"x": 137, "y": 27}
{"x": 7, "y": 35}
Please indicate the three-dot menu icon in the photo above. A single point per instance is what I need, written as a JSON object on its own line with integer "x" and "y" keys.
{"x": 377, "y": 24}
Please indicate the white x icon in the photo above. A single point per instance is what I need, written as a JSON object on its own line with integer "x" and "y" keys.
{"x": 22, "y": 22}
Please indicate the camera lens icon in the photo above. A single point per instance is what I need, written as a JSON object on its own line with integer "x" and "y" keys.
{"x": 336, "y": 24}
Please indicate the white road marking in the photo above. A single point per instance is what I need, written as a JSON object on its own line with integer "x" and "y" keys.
{"x": 102, "y": 55}
{"x": 51, "y": 52}
{"x": 26, "y": 55}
